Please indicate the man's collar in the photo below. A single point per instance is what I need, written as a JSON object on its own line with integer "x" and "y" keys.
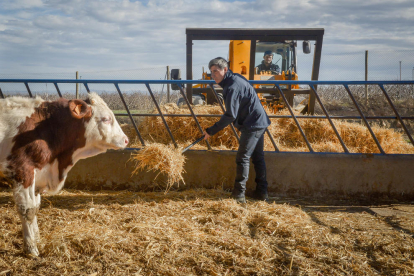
{"x": 226, "y": 77}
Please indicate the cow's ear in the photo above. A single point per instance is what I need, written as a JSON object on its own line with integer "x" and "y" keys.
{"x": 79, "y": 109}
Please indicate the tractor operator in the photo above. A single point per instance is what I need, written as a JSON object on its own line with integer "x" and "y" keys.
{"x": 267, "y": 64}
{"x": 244, "y": 110}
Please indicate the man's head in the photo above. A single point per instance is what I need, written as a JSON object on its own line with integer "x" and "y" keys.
{"x": 218, "y": 67}
{"x": 268, "y": 57}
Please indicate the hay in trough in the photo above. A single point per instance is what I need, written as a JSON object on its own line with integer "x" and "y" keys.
{"x": 162, "y": 158}
{"x": 184, "y": 129}
{"x": 322, "y": 137}
{"x": 203, "y": 232}
{"x": 284, "y": 131}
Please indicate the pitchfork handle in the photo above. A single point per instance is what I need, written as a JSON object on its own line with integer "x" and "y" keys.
{"x": 195, "y": 142}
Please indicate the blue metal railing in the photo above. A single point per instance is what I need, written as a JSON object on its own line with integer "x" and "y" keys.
{"x": 277, "y": 84}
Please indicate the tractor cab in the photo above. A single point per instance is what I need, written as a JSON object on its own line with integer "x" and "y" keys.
{"x": 280, "y": 54}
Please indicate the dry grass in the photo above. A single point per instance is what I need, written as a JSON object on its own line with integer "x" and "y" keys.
{"x": 164, "y": 159}
{"x": 323, "y": 139}
{"x": 202, "y": 232}
{"x": 184, "y": 129}
{"x": 284, "y": 131}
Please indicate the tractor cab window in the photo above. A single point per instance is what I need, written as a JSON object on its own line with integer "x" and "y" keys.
{"x": 273, "y": 55}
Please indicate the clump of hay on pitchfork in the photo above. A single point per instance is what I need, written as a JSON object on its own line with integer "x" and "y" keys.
{"x": 162, "y": 158}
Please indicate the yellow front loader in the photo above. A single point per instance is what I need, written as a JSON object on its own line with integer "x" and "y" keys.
{"x": 246, "y": 51}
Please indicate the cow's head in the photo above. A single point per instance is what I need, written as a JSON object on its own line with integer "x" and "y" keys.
{"x": 102, "y": 129}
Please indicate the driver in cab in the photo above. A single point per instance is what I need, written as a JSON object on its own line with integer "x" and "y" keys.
{"x": 267, "y": 64}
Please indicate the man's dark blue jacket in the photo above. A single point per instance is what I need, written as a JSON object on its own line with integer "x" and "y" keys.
{"x": 243, "y": 107}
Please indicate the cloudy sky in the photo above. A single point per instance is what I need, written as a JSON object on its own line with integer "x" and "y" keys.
{"x": 44, "y": 36}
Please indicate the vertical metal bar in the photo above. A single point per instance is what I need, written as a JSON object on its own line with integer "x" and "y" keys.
{"x": 315, "y": 71}
{"x": 57, "y": 89}
{"x": 162, "y": 116}
{"x": 272, "y": 140}
{"x": 397, "y": 114}
{"x": 252, "y": 58}
{"x": 129, "y": 113}
{"x": 77, "y": 85}
{"x": 224, "y": 111}
{"x": 364, "y": 119}
{"x": 87, "y": 87}
{"x": 329, "y": 119}
{"x": 1, "y": 94}
{"x": 189, "y": 67}
{"x": 168, "y": 84}
{"x": 28, "y": 89}
{"x": 192, "y": 113}
{"x": 366, "y": 76}
{"x": 294, "y": 118}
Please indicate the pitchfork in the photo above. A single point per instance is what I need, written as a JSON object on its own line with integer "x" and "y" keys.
{"x": 195, "y": 142}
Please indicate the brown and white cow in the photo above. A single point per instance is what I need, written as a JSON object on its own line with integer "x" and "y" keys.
{"x": 40, "y": 141}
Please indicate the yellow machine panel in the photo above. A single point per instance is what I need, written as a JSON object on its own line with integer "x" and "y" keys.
{"x": 239, "y": 56}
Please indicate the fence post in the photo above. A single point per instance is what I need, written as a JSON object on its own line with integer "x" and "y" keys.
{"x": 77, "y": 85}
{"x": 400, "y": 70}
{"x": 366, "y": 76}
{"x": 168, "y": 85}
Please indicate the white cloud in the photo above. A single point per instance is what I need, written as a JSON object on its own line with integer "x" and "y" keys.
{"x": 21, "y": 4}
{"x": 76, "y": 34}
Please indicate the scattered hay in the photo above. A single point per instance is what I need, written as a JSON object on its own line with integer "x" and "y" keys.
{"x": 203, "y": 232}
{"x": 284, "y": 131}
{"x": 163, "y": 158}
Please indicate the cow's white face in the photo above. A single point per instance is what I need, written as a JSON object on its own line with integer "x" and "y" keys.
{"x": 102, "y": 130}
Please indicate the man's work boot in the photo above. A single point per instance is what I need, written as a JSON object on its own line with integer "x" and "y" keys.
{"x": 240, "y": 198}
{"x": 259, "y": 196}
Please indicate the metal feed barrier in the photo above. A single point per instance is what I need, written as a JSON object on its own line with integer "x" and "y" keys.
{"x": 277, "y": 85}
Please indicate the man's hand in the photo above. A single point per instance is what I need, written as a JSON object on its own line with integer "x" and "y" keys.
{"x": 206, "y": 135}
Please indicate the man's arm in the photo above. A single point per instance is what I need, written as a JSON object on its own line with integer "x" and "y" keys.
{"x": 232, "y": 108}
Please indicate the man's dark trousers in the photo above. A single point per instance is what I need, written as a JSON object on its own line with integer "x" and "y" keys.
{"x": 251, "y": 145}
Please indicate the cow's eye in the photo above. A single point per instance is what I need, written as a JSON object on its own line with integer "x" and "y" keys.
{"x": 106, "y": 120}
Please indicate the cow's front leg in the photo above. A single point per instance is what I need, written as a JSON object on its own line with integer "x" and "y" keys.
{"x": 35, "y": 227}
{"x": 28, "y": 204}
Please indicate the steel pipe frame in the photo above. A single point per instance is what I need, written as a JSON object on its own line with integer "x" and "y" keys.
{"x": 272, "y": 116}
{"x": 129, "y": 113}
{"x": 311, "y": 84}
{"x": 162, "y": 116}
{"x": 288, "y": 82}
{"x": 193, "y": 115}
{"x": 364, "y": 119}
{"x": 396, "y": 113}
{"x": 329, "y": 118}
{"x": 294, "y": 118}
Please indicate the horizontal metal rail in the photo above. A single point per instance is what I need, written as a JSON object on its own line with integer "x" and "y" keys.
{"x": 347, "y": 85}
{"x": 271, "y": 82}
{"x": 270, "y": 116}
